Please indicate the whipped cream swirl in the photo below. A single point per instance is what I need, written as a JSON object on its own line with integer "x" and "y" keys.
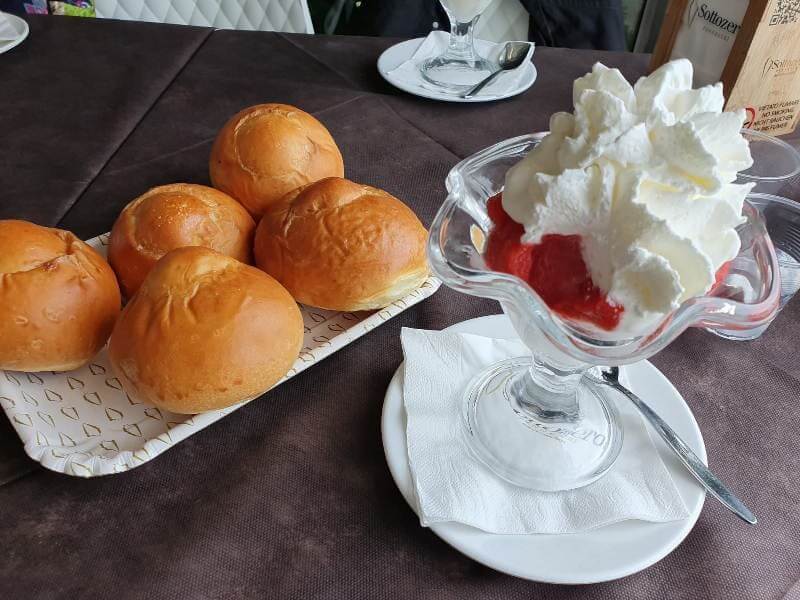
{"x": 644, "y": 174}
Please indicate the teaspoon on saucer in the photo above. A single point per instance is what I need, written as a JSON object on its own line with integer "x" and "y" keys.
{"x": 511, "y": 57}
{"x": 610, "y": 377}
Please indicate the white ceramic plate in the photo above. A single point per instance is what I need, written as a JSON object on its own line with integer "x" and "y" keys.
{"x": 396, "y": 55}
{"x": 22, "y": 32}
{"x": 600, "y": 555}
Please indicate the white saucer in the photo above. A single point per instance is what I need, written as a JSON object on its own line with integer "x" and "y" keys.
{"x": 599, "y": 555}
{"x": 22, "y": 32}
{"x": 396, "y": 55}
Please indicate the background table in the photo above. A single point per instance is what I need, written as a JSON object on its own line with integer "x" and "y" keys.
{"x": 290, "y": 496}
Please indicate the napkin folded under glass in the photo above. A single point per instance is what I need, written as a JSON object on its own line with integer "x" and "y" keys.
{"x": 451, "y": 485}
{"x": 8, "y": 33}
{"x": 436, "y": 43}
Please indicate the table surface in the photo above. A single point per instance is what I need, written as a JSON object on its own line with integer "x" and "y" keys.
{"x": 290, "y": 496}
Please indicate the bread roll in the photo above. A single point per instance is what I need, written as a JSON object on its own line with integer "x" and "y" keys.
{"x": 205, "y": 331}
{"x": 268, "y": 150}
{"x": 58, "y": 299}
{"x": 173, "y": 216}
{"x": 343, "y": 246}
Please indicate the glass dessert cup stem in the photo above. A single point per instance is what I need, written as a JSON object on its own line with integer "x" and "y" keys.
{"x": 540, "y": 426}
{"x": 462, "y": 41}
{"x": 460, "y": 67}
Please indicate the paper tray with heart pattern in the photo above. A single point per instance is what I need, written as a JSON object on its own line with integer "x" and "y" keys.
{"x": 83, "y": 422}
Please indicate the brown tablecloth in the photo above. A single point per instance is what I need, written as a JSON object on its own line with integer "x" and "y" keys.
{"x": 290, "y": 496}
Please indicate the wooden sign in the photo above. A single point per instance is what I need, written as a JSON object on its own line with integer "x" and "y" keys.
{"x": 752, "y": 47}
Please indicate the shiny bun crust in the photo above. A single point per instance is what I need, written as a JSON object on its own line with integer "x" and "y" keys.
{"x": 173, "y": 216}
{"x": 58, "y": 299}
{"x": 343, "y": 246}
{"x": 267, "y": 150}
{"x": 205, "y": 331}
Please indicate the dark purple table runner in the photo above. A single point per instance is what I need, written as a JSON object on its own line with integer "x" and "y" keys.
{"x": 290, "y": 496}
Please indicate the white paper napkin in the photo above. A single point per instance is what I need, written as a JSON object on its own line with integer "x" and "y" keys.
{"x": 436, "y": 43}
{"x": 8, "y": 33}
{"x": 451, "y": 485}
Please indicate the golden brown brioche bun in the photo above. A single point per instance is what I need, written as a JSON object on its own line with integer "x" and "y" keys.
{"x": 58, "y": 299}
{"x": 343, "y": 246}
{"x": 205, "y": 331}
{"x": 267, "y": 150}
{"x": 174, "y": 216}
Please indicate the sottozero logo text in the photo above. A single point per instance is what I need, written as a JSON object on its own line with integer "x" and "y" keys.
{"x": 699, "y": 13}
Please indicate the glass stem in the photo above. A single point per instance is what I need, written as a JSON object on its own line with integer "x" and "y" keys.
{"x": 548, "y": 393}
{"x": 461, "y": 46}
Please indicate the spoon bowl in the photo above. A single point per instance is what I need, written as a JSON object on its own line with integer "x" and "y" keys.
{"x": 513, "y": 55}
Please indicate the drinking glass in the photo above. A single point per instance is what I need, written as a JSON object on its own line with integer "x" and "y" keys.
{"x": 535, "y": 420}
{"x": 460, "y": 67}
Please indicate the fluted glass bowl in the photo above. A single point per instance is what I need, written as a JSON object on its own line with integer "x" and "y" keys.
{"x": 536, "y": 420}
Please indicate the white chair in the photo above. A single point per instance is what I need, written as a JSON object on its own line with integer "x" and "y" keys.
{"x": 290, "y": 16}
{"x": 502, "y": 21}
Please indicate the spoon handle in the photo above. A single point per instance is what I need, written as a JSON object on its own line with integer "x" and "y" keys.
{"x": 687, "y": 457}
{"x": 480, "y": 85}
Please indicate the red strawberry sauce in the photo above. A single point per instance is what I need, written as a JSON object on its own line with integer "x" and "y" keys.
{"x": 554, "y": 268}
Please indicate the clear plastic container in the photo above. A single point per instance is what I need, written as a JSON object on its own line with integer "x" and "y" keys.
{"x": 775, "y": 162}
{"x": 782, "y": 218}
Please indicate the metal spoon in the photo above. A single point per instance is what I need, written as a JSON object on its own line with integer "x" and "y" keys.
{"x": 512, "y": 56}
{"x": 610, "y": 377}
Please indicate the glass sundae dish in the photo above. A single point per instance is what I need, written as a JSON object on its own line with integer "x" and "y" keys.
{"x": 603, "y": 241}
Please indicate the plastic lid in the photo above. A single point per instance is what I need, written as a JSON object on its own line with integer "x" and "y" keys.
{"x": 773, "y": 159}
